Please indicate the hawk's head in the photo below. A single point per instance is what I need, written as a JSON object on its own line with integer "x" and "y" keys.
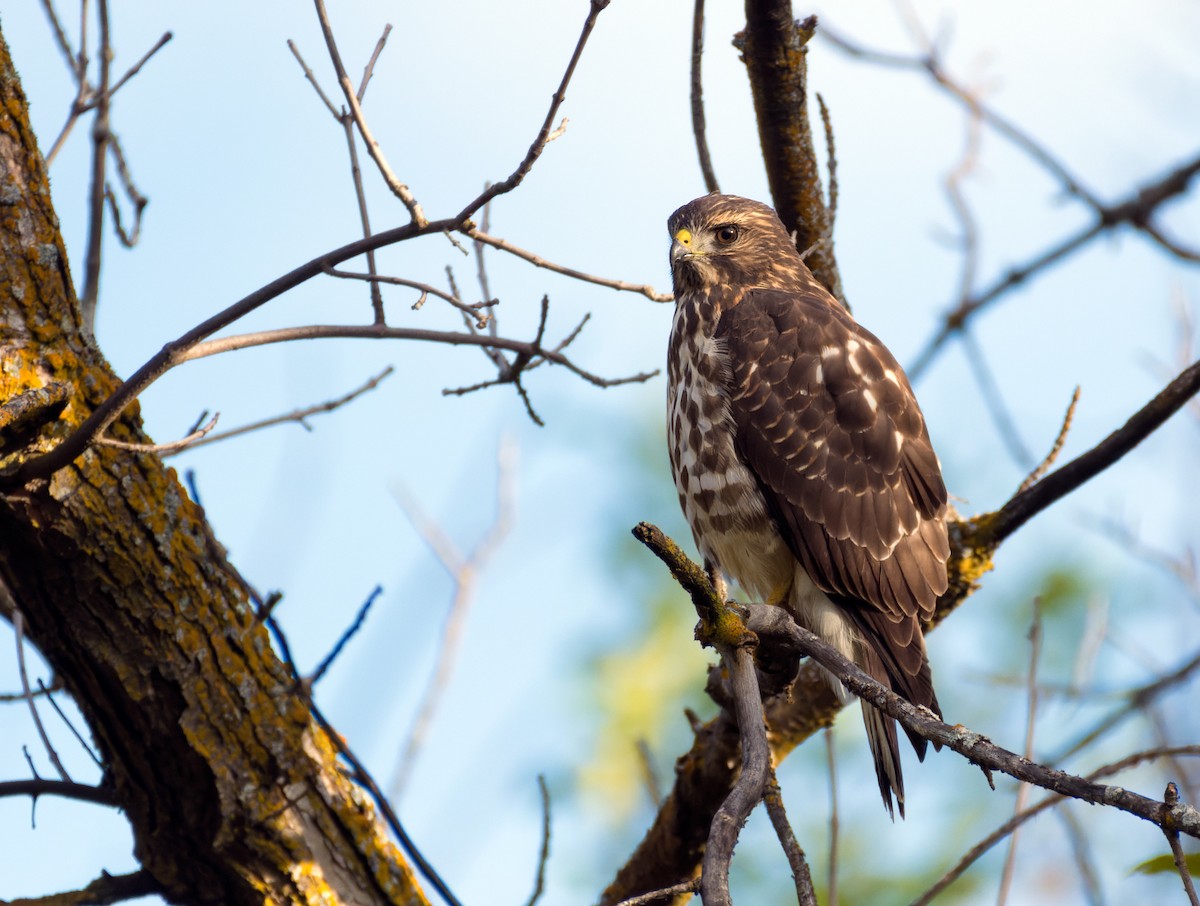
{"x": 732, "y": 241}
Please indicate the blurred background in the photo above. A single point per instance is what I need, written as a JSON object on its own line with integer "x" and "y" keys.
{"x": 575, "y": 650}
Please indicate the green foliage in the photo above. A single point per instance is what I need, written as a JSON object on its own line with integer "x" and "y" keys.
{"x": 1166, "y": 864}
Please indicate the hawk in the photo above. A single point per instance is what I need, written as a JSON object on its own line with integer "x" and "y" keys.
{"x": 801, "y": 457}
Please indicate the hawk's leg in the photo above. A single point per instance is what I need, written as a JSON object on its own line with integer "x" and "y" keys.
{"x": 720, "y": 587}
{"x": 777, "y": 666}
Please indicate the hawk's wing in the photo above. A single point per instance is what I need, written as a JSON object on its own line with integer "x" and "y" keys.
{"x": 828, "y": 423}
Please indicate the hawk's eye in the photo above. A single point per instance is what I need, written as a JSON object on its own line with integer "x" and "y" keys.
{"x": 726, "y": 234}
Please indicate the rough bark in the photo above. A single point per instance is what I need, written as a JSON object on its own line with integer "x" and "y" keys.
{"x": 774, "y": 49}
{"x": 232, "y": 791}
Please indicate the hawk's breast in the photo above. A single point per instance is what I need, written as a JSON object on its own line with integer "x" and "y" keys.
{"x": 718, "y": 493}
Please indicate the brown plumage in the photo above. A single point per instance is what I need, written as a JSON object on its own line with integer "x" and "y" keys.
{"x": 801, "y": 456}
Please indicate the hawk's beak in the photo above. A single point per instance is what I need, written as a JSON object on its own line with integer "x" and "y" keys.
{"x": 682, "y": 246}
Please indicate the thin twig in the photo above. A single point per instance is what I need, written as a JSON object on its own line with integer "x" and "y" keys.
{"x": 68, "y": 789}
{"x": 174, "y": 353}
{"x": 351, "y": 631}
{"x": 361, "y": 774}
{"x": 18, "y": 622}
{"x": 369, "y": 69}
{"x": 805, "y": 895}
{"x": 83, "y": 743}
{"x": 1035, "y": 651}
{"x": 1044, "y": 466}
{"x": 1136, "y": 702}
{"x": 399, "y": 189}
{"x": 372, "y": 332}
{"x": 137, "y": 67}
{"x": 1135, "y": 210}
{"x": 984, "y": 845}
{"x": 698, "y": 126}
{"x": 1082, "y": 855}
{"x": 539, "y": 883}
{"x": 666, "y": 893}
{"x": 993, "y": 399}
{"x": 473, "y": 309}
{"x": 312, "y": 80}
{"x": 175, "y": 446}
{"x": 830, "y": 160}
{"x": 546, "y": 133}
{"x": 537, "y": 261}
{"x": 831, "y": 885}
{"x": 464, "y": 571}
{"x": 103, "y": 891}
{"x": 95, "y": 234}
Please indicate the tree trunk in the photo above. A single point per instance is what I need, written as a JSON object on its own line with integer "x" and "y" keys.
{"x": 233, "y": 791}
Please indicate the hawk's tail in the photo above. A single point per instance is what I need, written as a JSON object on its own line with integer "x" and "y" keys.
{"x": 894, "y": 655}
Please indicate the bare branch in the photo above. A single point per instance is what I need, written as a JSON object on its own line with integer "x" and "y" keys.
{"x": 537, "y": 261}
{"x": 474, "y": 309}
{"x": 103, "y": 891}
{"x": 163, "y": 449}
{"x": 545, "y": 134}
{"x": 993, "y": 400}
{"x": 747, "y": 792}
{"x": 298, "y": 415}
{"x": 65, "y": 788}
{"x": 1135, "y": 210}
{"x": 399, "y": 189}
{"x": 805, "y": 895}
{"x": 698, "y": 126}
{"x": 979, "y": 849}
{"x": 775, "y": 623}
{"x": 95, "y": 235}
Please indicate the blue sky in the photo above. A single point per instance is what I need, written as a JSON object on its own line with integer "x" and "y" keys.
{"x": 248, "y": 178}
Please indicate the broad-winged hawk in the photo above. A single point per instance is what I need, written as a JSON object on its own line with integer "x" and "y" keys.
{"x": 800, "y": 454}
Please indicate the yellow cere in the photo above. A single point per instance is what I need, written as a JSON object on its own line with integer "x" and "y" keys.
{"x": 684, "y": 236}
